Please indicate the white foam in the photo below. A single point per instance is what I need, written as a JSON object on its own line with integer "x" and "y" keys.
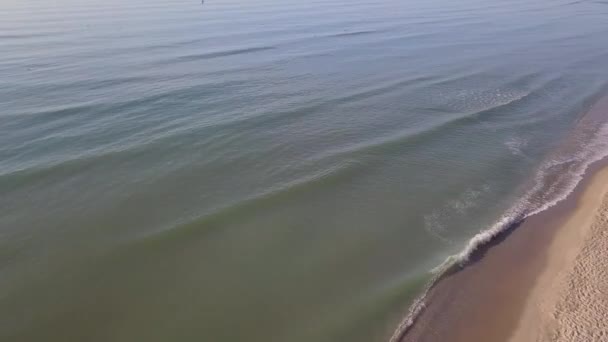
{"x": 596, "y": 150}
{"x": 516, "y": 145}
{"x": 436, "y": 222}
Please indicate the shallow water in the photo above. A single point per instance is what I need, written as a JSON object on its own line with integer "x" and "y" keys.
{"x": 275, "y": 170}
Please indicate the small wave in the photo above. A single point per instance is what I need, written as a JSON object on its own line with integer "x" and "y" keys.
{"x": 250, "y": 204}
{"x": 415, "y": 133}
{"x": 24, "y": 36}
{"x": 576, "y": 2}
{"x": 354, "y": 33}
{"x": 399, "y": 137}
{"x": 224, "y": 53}
{"x": 255, "y": 118}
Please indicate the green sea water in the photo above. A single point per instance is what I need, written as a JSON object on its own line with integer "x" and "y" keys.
{"x": 289, "y": 171}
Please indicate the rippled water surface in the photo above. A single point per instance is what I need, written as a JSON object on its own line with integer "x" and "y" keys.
{"x": 276, "y": 170}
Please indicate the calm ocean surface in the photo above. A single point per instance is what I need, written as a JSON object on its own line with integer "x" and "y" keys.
{"x": 274, "y": 170}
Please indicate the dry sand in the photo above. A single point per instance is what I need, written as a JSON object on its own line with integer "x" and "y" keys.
{"x": 569, "y": 301}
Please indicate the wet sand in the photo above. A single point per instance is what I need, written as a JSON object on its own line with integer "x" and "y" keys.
{"x": 545, "y": 279}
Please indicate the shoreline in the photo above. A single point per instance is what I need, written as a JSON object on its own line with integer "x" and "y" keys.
{"x": 507, "y": 292}
{"x": 572, "y": 275}
{"x": 502, "y": 264}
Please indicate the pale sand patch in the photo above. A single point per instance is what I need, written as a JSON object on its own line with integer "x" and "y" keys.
{"x": 569, "y": 301}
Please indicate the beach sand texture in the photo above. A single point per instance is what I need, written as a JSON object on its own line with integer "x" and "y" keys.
{"x": 569, "y": 302}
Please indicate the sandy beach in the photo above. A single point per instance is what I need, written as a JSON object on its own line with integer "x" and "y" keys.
{"x": 546, "y": 280}
{"x": 569, "y": 301}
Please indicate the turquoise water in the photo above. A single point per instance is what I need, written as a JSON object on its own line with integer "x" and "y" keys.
{"x": 276, "y": 170}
